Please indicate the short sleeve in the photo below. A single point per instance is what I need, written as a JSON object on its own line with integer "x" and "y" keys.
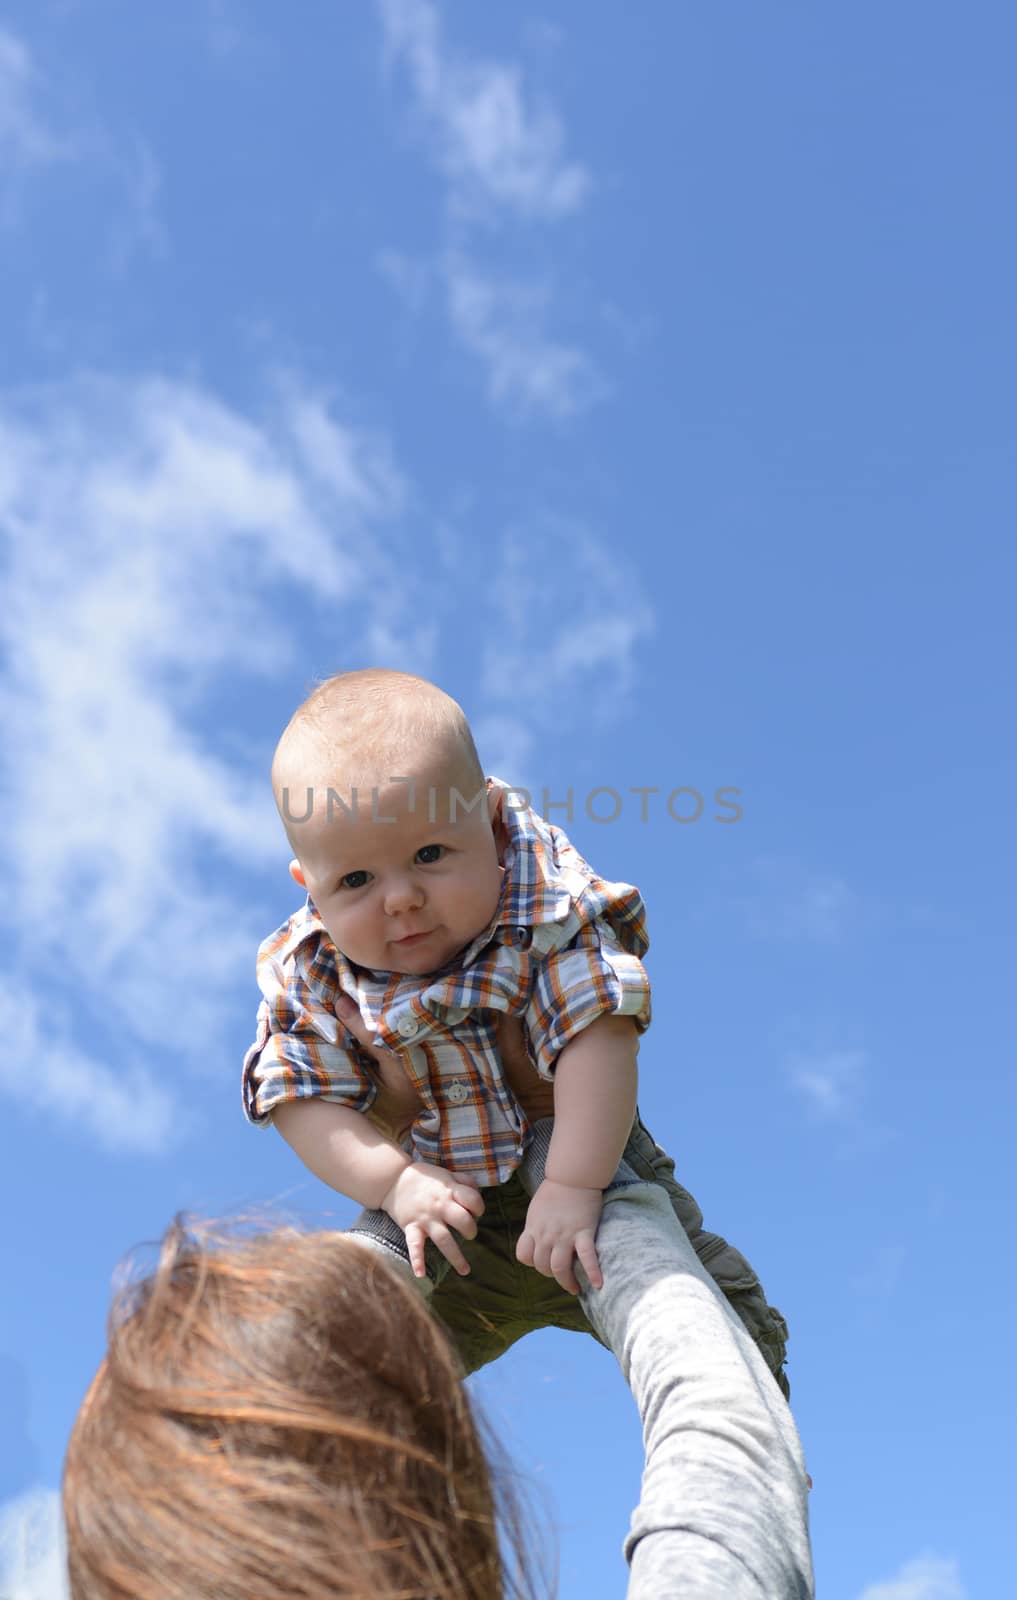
{"x": 590, "y": 977}
{"x": 297, "y": 1053}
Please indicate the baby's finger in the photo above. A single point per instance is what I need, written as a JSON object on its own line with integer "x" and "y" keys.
{"x": 542, "y": 1259}
{"x": 586, "y": 1250}
{"x": 449, "y": 1248}
{"x": 524, "y": 1249}
{"x": 561, "y": 1268}
{"x": 468, "y": 1197}
{"x": 416, "y": 1239}
{"x": 463, "y": 1221}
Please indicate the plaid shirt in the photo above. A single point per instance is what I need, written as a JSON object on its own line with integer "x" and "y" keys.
{"x": 562, "y": 949}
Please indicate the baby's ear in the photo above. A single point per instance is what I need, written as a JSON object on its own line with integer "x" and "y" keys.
{"x": 297, "y": 874}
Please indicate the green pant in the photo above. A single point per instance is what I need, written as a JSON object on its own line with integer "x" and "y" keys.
{"x": 501, "y": 1300}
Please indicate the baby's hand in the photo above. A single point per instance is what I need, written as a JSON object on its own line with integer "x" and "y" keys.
{"x": 426, "y": 1202}
{"x": 561, "y": 1223}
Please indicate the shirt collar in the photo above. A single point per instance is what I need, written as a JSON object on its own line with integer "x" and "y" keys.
{"x": 305, "y": 925}
{"x": 532, "y": 891}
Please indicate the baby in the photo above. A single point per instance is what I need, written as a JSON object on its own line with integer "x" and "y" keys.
{"x": 438, "y": 902}
{"x": 438, "y": 906}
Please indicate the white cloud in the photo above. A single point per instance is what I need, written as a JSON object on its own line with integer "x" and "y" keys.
{"x": 227, "y": 30}
{"x": 150, "y": 532}
{"x": 823, "y": 907}
{"x": 928, "y": 1578}
{"x": 560, "y": 659}
{"x": 409, "y": 277}
{"x": 505, "y": 745}
{"x": 881, "y": 1273}
{"x": 358, "y": 468}
{"x": 139, "y": 225}
{"x": 502, "y": 321}
{"x": 791, "y": 902}
{"x": 502, "y": 155}
{"x": 497, "y": 150}
{"x": 116, "y": 161}
{"x": 33, "y": 1562}
{"x": 119, "y": 1108}
{"x": 24, "y": 137}
{"x": 831, "y": 1082}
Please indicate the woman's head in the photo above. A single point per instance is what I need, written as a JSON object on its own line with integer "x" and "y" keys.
{"x": 278, "y": 1415}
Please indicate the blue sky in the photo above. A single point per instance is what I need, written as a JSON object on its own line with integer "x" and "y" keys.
{"x": 646, "y": 379}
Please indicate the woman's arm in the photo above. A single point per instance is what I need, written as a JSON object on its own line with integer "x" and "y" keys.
{"x": 723, "y": 1513}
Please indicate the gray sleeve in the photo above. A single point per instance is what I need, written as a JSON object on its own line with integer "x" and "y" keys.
{"x": 723, "y": 1511}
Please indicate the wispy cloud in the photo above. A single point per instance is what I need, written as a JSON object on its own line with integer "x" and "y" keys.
{"x": 120, "y": 1108}
{"x": 506, "y": 745}
{"x": 830, "y": 1082}
{"x": 25, "y": 136}
{"x": 927, "y": 1578}
{"x": 151, "y": 531}
{"x": 38, "y": 130}
{"x": 227, "y": 29}
{"x": 554, "y": 659}
{"x": 497, "y": 147}
{"x": 789, "y": 901}
{"x": 409, "y": 277}
{"x": 502, "y": 155}
{"x": 503, "y": 321}
{"x": 881, "y": 1273}
{"x": 33, "y": 1563}
{"x": 138, "y": 225}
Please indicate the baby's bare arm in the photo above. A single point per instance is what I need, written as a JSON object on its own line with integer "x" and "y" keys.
{"x": 349, "y": 1153}
{"x": 342, "y": 1148}
{"x": 594, "y": 1103}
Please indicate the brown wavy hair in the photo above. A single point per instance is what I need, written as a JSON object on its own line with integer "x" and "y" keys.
{"x": 278, "y": 1415}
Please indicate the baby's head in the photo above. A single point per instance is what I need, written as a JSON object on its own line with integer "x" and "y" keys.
{"x": 384, "y": 802}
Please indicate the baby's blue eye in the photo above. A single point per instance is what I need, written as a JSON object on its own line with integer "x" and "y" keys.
{"x": 430, "y": 852}
{"x": 353, "y": 880}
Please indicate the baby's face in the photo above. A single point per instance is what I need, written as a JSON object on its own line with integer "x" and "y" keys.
{"x": 404, "y": 895}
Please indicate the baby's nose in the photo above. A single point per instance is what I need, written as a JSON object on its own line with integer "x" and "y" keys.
{"x": 402, "y": 894}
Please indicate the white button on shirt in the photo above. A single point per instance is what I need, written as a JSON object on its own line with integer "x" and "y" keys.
{"x": 408, "y": 1027}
